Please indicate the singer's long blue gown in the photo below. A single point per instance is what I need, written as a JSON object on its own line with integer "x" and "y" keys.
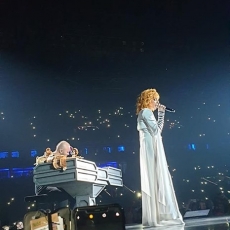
{"x": 159, "y": 203}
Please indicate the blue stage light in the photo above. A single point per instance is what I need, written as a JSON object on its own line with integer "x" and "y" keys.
{"x": 192, "y": 147}
{"x": 121, "y": 148}
{"x": 15, "y": 154}
{"x": 86, "y": 150}
{"x": 3, "y": 154}
{"x": 107, "y": 149}
{"x": 33, "y": 153}
{"x": 107, "y": 164}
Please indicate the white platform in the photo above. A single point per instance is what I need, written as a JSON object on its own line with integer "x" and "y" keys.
{"x": 192, "y": 224}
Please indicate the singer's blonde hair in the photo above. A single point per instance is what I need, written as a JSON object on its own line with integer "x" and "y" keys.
{"x": 145, "y": 98}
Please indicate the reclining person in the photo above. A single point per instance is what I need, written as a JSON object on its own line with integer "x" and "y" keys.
{"x": 55, "y": 194}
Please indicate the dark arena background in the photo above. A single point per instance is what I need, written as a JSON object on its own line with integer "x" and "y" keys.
{"x": 72, "y": 70}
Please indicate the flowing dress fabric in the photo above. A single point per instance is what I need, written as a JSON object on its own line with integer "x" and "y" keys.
{"x": 159, "y": 203}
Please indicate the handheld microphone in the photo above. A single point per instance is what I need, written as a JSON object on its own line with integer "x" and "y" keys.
{"x": 170, "y": 110}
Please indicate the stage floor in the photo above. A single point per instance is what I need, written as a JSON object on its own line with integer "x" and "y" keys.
{"x": 211, "y": 223}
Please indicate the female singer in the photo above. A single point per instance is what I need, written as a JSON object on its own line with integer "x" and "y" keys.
{"x": 159, "y": 203}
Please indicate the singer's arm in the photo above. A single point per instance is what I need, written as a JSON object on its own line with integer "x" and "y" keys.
{"x": 160, "y": 121}
{"x": 153, "y": 126}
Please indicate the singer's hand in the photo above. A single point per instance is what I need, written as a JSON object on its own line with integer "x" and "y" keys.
{"x": 161, "y": 108}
